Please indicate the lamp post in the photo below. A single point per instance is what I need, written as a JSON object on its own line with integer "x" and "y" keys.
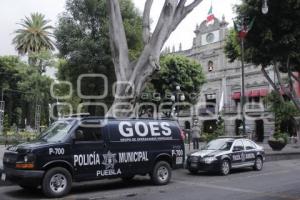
{"x": 177, "y": 98}
{"x": 242, "y": 34}
{"x": 264, "y": 7}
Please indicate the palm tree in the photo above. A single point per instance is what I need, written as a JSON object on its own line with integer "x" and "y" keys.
{"x": 34, "y": 36}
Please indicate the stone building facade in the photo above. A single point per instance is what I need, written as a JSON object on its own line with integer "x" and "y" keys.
{"x": 224, "y": 79}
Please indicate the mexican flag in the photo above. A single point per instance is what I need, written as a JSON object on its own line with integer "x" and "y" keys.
{"x": 242, "y": 27}
{"x": 210, "y": 16}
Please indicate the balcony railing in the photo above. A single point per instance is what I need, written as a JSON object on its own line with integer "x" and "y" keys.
{"x": 248, "y": 108}
{"x": 207, "y": 110}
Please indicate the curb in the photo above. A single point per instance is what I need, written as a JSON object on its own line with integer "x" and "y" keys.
{"x": 282, "y": 156}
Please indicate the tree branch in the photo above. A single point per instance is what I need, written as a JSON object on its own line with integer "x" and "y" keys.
{"x": 275, "y": 88}
{"x": 295, "y": 77}
{"x": 118, "y": 41}
{"x": 287, "y": 92}
{"x": 266, "y": 75}
{"x": 291, "y": 84}
{"x": 146, "y": 21}
{"x": 171, "y": 15}
{"x": 182, "y": 11}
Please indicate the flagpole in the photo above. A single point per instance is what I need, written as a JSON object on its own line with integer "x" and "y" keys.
{"x": 243, "y": 87}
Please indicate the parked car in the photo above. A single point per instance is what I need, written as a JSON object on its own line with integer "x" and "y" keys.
{"x": 83, "y": 149}
{"x": 223, "y": 154}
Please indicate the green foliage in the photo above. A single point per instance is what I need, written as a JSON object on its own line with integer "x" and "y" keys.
{"x": 6, "y": 124}
{"x": 9, "y": 71}
{"x": 23, "y": 86}
{"x": 284, "y": 112}
{"x": 207, "y": 137}
{"x": 219, "y": 131}
{"x": 274, "y": 36}
{"x": 34, "y": 35}
{"x": 232, "y": 47}
{"x": 280, "y": 137}
{"x": 83, "y": 42}
{"x": 41, "y": 60}
{"x": 220, "y": 127}
{"x": 177, "y": 70}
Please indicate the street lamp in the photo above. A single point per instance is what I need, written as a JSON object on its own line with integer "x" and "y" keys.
{"x": 265, "y": 8}
{"x": 243, "y": 32}
{"x": 177, "y": 97}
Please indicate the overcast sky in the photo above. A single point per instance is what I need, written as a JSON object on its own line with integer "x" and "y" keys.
{"x": 12, "y": 11}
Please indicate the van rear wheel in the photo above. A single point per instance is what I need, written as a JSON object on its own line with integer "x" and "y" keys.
{"x": 57, "y": 182}
{"x": 162, "y": 173}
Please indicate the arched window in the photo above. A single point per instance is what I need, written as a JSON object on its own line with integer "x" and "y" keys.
{"x": 210, "y": 66}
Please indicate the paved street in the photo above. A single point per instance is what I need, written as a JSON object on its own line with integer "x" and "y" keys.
{"x": 279, "y": 180}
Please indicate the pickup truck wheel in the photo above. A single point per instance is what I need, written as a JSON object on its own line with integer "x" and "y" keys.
{"x": 57, "y": 182}
{"x": 161, "y": 173}
{"x": 259, "y": 163}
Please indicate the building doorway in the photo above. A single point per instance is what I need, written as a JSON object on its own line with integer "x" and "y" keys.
{"x": 238, "y": 123}
{"x": 209, "y": 126}
{"x": 259, "y": 130}
{"x": 187, "y": 125}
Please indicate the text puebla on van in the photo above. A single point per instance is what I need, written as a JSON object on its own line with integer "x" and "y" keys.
{"x": 82, "y": 149}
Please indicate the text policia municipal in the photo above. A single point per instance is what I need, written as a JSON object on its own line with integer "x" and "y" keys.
{"x": 124, "y": 157}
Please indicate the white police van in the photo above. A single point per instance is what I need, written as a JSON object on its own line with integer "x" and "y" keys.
{"x": 91, "y": 148}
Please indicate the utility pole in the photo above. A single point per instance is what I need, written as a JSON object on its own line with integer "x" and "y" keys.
{"x": 2, "y": 105}
{"x": 37, "y": 118}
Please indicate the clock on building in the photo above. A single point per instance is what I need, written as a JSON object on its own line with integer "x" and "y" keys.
{"x": 210, "y": 37}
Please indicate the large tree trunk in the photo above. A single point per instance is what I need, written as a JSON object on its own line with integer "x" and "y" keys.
{"x": 132, "y": 76}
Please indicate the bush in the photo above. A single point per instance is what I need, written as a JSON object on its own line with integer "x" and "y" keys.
{"x": 207, "y": 137}
{"x": 280, "y": 137}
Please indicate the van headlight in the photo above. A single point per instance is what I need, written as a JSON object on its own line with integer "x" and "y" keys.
{"x": 29, "y": 158}
{"x": 209, "y": 160}
{"x": 26, "y": 159}
{"x": 27, "y": 162}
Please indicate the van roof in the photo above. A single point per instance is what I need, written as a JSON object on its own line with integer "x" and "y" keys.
{"x": 102, "y": 117}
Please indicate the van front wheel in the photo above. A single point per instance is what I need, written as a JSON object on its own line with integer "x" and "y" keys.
{"x": 162, "y": 173}
{"x": 57, "y": 182}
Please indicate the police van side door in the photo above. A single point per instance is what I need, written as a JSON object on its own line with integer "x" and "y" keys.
{"x": 237, "y": 155}
{"x": 89, "y": 144}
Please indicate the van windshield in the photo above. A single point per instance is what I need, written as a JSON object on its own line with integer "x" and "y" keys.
{"x": 56, "y": 132}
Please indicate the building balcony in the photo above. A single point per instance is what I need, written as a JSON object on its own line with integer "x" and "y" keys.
{"x": 249, "y": 108}
{"x": 207, "y": 110}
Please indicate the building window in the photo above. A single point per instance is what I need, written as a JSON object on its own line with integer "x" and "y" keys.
{"x": 210, "y": 66}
